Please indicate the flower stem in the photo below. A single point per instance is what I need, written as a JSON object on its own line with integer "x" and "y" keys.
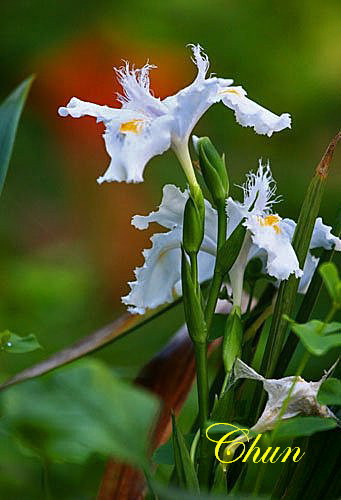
{"x": 200, "y": 350}
{"x": 217, "y": 277}
{"x": 182, "y": 152}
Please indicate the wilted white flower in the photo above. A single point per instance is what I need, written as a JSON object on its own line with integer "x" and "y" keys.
{"x": 159, "y": 280}
{"x": 146, "y": 126}
{"x": 302, "y": 400}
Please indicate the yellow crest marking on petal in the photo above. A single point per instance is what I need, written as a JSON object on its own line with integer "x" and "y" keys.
{"x": 230, "y": 91}
{"x": 271, "y": 220}
{"x": 134, "y": 126}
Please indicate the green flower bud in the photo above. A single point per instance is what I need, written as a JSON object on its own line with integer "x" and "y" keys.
{"x": 213, "y": 169}
{"x": 192, "y": 304}
{"x": 194, "y": 223}
{"x": 232, "y": 344}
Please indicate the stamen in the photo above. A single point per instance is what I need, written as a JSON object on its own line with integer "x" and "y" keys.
{"x": 270, "y": 220}
{"x": 134, "y": 126}
{"x": 230, "y": 91}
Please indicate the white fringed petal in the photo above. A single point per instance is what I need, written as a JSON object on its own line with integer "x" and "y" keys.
{"x": 322, "y": 238}
{"x": 78, "y": 108}
{"x": 281, "y": 258}
{"x": 130, "y": 151}
{"x": 250, "y": 114}
{"x": 158, "y": 281}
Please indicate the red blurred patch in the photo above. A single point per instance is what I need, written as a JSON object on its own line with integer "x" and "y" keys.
{"x": 101, "y": 214}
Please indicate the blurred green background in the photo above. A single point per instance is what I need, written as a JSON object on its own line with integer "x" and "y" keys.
{"x": 67, "y": 248}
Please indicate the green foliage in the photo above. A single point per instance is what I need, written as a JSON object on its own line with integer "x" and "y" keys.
{"x": 232, "y": 344}
{"x": 184, "y": 467}
{"x": 330, "y": 392}
{"x": 230, "y": 250}
{"x": 12, "y": 343}
{"x": 318, "y": 337}
{"x": 78, "y": 411}
{"x": 304, "y": 426}
{"x": 10, "y": 111}
{"x": 330, "y": 277}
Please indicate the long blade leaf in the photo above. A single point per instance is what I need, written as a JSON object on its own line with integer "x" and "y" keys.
{"x": 10, "y": 111}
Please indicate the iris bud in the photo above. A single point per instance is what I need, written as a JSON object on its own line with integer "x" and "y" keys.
{"x": 213, "y": 169}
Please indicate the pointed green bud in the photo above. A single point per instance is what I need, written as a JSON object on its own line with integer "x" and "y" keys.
{"x": 194, "y": 223}
{"x": 229, "y": 252}
{"x": 232, "y": 344}
{"x": 213, "y": 169}
{"x": 192, "y": 303}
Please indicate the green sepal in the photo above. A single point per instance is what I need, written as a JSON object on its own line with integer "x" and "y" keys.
{"x": 213, "y": 169}
{"x": 233, "y": 335}
{"x": 184, "y": 467}
{"x": 229, "y": 252}
{"x": 194, "y": 224}
{"x": 192, "y": 303}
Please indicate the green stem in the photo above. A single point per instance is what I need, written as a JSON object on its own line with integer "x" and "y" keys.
{"x": 217, "y": 279}
{"x": 200, "y": 350}
{"x": 194, "y": 269}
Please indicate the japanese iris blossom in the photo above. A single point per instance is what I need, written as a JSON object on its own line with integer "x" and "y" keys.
{"x": 269, "y": 237}
{"x": 146, "y": 126}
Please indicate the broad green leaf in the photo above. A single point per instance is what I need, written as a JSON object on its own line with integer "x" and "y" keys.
{"x": 10, "y": 111}
{"x": 304, "y": 426}
{"x": 184, "y": 467}
{"x": 79, "y": 410}
{"x": 12, "y": 343}
{"x": 330, "y": 277}
{"x": 330, "y": 392}
{"x": 318, "y": 337}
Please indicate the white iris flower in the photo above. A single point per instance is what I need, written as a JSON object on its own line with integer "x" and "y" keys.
{"x": 146, "y": 126}
{"x": 269, "y": 237}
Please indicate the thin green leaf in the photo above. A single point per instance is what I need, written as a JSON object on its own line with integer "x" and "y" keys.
{"x": 165, "y": 453}
{"x": 12, "y": 343}
{"x": 184, "y": 467}
{"x": 304, "y": 426}
{"x": 80, "y": 410}
{"x": 10, "y": 111}
{"x": 301, "y": 240}
{"x": 330, "y": 392}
